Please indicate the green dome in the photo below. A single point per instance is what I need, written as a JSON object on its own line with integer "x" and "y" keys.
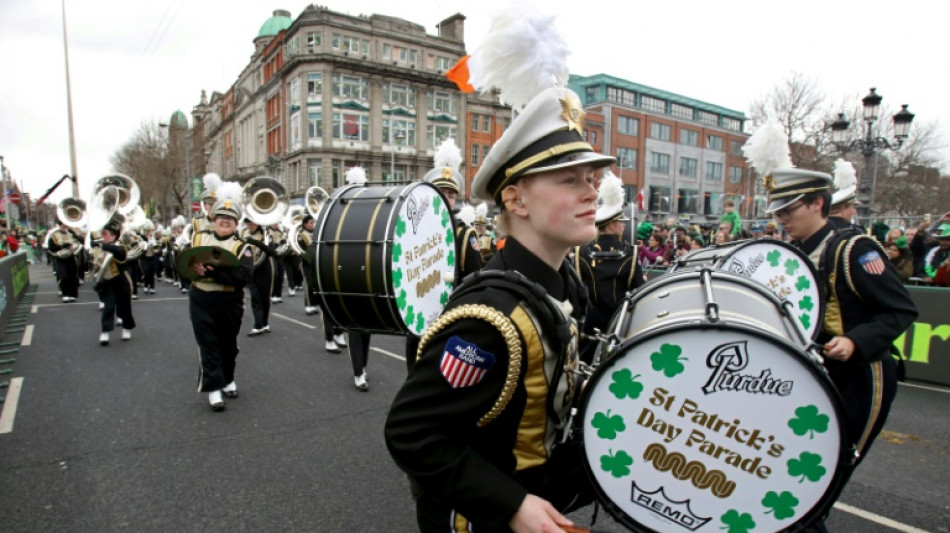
{"x": 276, "y": 24}
{"x": 178, "y": 120}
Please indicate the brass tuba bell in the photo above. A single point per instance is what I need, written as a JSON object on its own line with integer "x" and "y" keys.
{"x": 265, "y": 201}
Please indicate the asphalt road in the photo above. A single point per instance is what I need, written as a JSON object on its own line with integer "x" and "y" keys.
{"x": 116, "y": 438}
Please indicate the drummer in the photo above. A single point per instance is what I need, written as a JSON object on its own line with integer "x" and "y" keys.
{"x": 867, "y": 308}
{"x": 465, "y": 443}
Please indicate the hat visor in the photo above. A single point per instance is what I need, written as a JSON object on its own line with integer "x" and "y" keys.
{"x": 592, "y": 159}
{"x": 779, "y": 203}
{"x": 844, "y": 195}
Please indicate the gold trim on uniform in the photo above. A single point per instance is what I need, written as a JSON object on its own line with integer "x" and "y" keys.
{"x": 529, "y": 448}
{"x": 232, "y": 244}
{"x": 460, "y": 524}
{"x": 877, "y": 395}
{"x": 507, "y": 329}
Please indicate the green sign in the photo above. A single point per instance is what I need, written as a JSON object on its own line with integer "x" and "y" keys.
{"x": 196, "y": 187}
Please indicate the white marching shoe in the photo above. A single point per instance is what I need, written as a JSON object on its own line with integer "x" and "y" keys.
{"x": 276, "y": 299}
{"x": 360, "y": 382}
{"x": 216, "y": 401}
{"x": 230, "y": 390}
{"x": 340, "y": 340}
{"x": 126, "y": 334}
{"x": 102, "y": 305}
{"x": 311, "y": 309}
{"x": 103, "y": 339}
{"x": 332, "y": 347}
{"x": 291, "y": 292}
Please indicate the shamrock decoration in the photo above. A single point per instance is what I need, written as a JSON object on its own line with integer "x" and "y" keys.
{"x": 791, "y": 266}
{"x": 450, "y": 259}
{"x": 737, "y": 523}
{"x": 803, "y": 283}
{"x": 773, "y": 257}
{"x": 420, "y": 322}
{"x": 805, "y": 319}
{"x": 608, "y": 426}
{"x": 444, "y": 298}
{"x": 397, "y": 251}
{"x": 783, "y": 505}
{"x": 436, "y": 205}
{"x": 401, "y": 299}
{"x": 625, "y": 384}
{"x": 808, "y": 465}
{"x": 668, "y": 360}
{"x": 806, "y": 303}
{"x": 410, "y": 315}
{"x": 397, "y": 277}
{"x": 808, "y": 420}
{"x": 445, "y": 219}
{"x": 449, "y": 239}
{"x": 400, "y": 227}
{"x": 618, "y": 465}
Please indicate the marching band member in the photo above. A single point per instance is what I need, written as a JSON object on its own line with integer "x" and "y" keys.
{"x": 333, "y": 335}
{"x": 151, "y": 257}
{"x": 278, "y": 237}
{"x": 475, "y": 422}
{"x": 64, "y": 245}
{"x": 486, "y": 243}
{"x": 262, "y": 280}
{"x": 115, "y": 288}
{"x": 216, "y": 299}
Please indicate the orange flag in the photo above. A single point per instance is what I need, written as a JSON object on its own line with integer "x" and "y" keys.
{"x": 459, "y": 75}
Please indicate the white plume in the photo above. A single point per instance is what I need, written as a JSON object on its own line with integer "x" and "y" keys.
{"x": 211, "y": 181}
{"x": 355, "y": 176}
{"x": 611, "y": 190}
{"x": 466, "y": 214}
{"x": 230, "y": 190}
{"x": 845, "y": 175}
{"x": 481, "y": 210}
{"x": 178, "y": 222}
{"x": 767, "y": 149}
{"x": 448, "y": 155}
{"x": 522, "y": 55}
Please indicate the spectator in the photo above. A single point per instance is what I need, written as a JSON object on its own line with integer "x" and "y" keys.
{"x": 937, "y": 263}
{"x": 757, "y": 230}
{"x": 697, "y": 243}
{"x": 771, "y": 231}
{"x": 652, "y": 254}
{"x": 894, "y": 234}
{"x": 730, "y": 219}
{"x": 12, "y": 243}
{"x": 902, "y": 260}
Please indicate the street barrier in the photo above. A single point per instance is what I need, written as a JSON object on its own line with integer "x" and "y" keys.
{"x": 14, "y": 280}
{"x": 926, "y": 344}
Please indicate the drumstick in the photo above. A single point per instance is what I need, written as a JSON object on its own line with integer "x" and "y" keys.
{"x": 574, "y": 529}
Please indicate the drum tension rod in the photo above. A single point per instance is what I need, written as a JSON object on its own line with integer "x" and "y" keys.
{"x": 712, "y": 308}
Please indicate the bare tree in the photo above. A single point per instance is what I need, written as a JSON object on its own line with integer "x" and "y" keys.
{"x": 154, "y": 164}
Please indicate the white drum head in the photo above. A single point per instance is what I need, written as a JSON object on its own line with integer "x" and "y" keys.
{"x": 721, "y": 428}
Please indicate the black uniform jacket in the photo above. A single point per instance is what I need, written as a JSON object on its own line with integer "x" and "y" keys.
{"x": 609, "y": 269}
{"x": 467, "y": 257}
{"x": 468, "y": 449}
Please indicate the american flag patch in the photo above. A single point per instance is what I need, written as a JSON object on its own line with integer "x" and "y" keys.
{"x": 474, "y": 242}
{"x": 464, "y": 364}
{"x": 872, "y": 263}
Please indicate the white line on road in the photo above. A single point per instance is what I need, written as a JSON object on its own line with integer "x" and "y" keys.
{"x": 390, "y": 354}
{"x": 9, "y": 405}
{"x": 72, "y": 304}
{"x": 27, "y": 335}
{"x": 34, "y": 309}
{"x": 288, "y": 319}
{"x": 935, "y": 389}
{"x": 878, "y": 519}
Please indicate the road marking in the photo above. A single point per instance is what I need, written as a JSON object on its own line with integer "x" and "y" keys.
{"x": 73, "y": 304}
{"x": 27, "y": 336}
{"x": 935, "y": 389}
{"x": 390, "y": 354}
{"x": 9, "y": 405}
{"x": 288, "y": 319}
{"x": 878, "y": 519}
{"x": 34, "y": 309}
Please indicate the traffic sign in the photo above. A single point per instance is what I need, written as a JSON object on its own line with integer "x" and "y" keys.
{"x": 14, "y": 197}
{"x": 195, "y": 207}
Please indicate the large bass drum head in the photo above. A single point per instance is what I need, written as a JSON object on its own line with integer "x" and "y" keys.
{"x": 710, "y": 429}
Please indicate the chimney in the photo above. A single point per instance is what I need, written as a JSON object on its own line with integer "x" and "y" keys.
{"x": 453, "y": 28}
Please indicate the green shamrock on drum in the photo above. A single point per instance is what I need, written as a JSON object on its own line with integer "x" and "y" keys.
{"x": 625, "y": 384}
{"x": 773, "y": 257}
{"x": 608, "y": 425}
{"x": 737, "y": 523}
{"x": 783, "y": 505}
{"x": 668, "y": 360}
{"x": 618, "y": 465}
{"x": 809, "y": 420}
{"x": 808, "y": 465}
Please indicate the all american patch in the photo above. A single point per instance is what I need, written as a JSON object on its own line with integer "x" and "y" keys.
{"x": 872, "y": 263}
{"x": 464, "y": 364}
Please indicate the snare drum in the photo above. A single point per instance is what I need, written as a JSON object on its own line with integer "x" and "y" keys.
{"x": 711, "y": 425}
{"x": 781, "y": 267}
{"x": 380, "y": 257}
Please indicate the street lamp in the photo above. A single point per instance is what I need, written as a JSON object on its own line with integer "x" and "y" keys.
{"x": 870, "y": 145}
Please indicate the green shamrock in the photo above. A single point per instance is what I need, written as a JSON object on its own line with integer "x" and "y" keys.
{"x": 420, "y": 323}
{"x": 791, "y": 266}
{"x": 400, "y": 227}
{"x": 737, "y": 523}
{"x": 808, "y": 465}
{"x": 450, "y": 259}
{"x": 808, "y": 420}
{"x": 401, "y": 299}
{"x": 444, "y": 298}
{"x": 618, "y": 465}
{"x": 782, "y": 504}
{"x": 436, "y": 205}
{"x": 668, "y": 360}
{"x": 410, "y": 317}
{"x": 773, "y": 257}
{"x": 803, "y": 283}
{"x": 446, "y": 219}
{"x": 397, "y": 278}
{"x": 449, "y": 239}
{"x": 397, "y": 251}
{"x": 805, "y": 319}
{"x": 608, "y": 426}
{"x": 625, "y": 384}
{"x": 806, "y": 303}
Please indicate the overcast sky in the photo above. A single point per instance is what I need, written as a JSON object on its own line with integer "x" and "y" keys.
{"x": 133, "y": 61}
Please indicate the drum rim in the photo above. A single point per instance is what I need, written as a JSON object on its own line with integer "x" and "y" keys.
{"x": 834, "y": 487}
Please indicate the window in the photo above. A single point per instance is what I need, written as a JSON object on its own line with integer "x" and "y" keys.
{"x": 314, "y": 87}
{"x": 659, "y": 131}
{"x": 688, "y": 201}
{"x": 689, "y": 167}
{"x": 659, "y": 198}
{"x": 474, "y": 158}
{"x": 401, "y": 96}
{"x": 393, "y": 173}
{"x": 313, "y": 40}
{"x": 292, "y": 47}
{"x": 442, "y": 102}
{"x": 351, "y": 126}
{"x": 735, "y": 147}
{"x": 711, "y": 119}
{"x": 627, "y": 158}
{"x": 735, "y": 174}
{"x": 443, "y": 63}
{"x": 713, "y": 171}
{"x": 731, "y": 124}
{"x": 689, "y": 137}
{"x": 387, "y": 51}
{"x": 659, "y": 163}
{"x": 628, "y": 125}
{"x": 591, "y": 136}
{"x": 654, "y": 104}
{"x": 337, "y": 175}
{"x": 681, "y": 111}
{"x": 295, "y": 143}
{"x": 714, "y": 142}
{"x": 474, "y": 122}
{"x": 403, "y": 132}
{"x": 622, "y": 96}
{"x": 413, "y": 56}
{"x": 436, "y": 133}
{"x": 486, "y": 124}
{"x": 591, "y": 94}
{"x": 348, "y": 43}
{"x": 314, "y": 126}
{"x": 313, "y": 172}
{"x": 350, "y": 87}
{"x": 294, "y": 91}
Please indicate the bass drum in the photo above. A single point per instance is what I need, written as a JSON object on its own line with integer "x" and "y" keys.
{"x": 781, "y": 267}
{"x": 712, "y": 425}
{"x": 381, "y": 255}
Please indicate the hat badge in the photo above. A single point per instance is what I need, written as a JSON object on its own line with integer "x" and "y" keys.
{"x": 768, "y": 182}
{"x": 572, "y": 113}
{"x": 447, "y": 172}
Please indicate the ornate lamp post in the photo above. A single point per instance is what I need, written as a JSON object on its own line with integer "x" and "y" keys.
{"x": 870, "y": 145}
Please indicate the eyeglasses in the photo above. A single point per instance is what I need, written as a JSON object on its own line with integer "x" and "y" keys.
{"x": 786, "y": 212}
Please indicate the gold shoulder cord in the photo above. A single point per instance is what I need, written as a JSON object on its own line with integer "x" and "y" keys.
{"x": 503, "y": 324}
{"x": 847, "y": 254}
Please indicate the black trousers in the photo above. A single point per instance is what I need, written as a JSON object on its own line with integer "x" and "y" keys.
{"x": 149, "y": 266}
{"x": 412, "y": 346}
{"x": 116, "y": 297}
{"x": 862, "y": 385}
{"x": 358, "y": 346}
{"x": 216, "y": 321}
{"x": 134, "y": 268}
{"x": 261, "y": 287}
{"x": 67, "y": 273}
{"x": 292, "y": 265}
{"x": 278, "y": 264}
{"x": 311, "y": 298}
